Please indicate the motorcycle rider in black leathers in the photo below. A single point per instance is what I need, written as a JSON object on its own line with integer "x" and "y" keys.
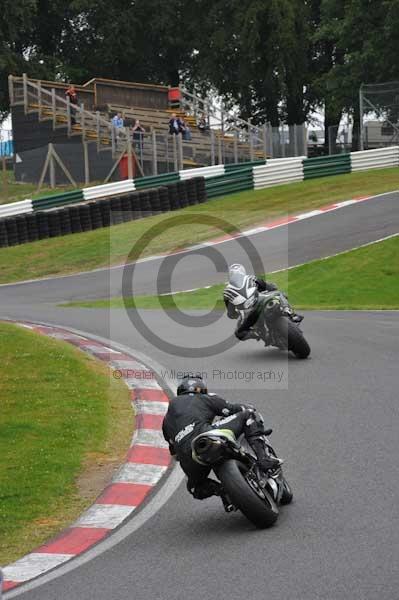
{"x": 237, "y": 275}
{"x": 192, "y": 412}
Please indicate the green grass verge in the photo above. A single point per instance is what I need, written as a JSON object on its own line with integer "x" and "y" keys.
{"x": 11, "y": 191}
{"x": 366, "y": 278}
{"x": 111, "y": 246}
{"x": 63, "y": 426}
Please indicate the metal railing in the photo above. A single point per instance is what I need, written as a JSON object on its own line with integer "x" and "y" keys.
{"x": 93, "y": 127}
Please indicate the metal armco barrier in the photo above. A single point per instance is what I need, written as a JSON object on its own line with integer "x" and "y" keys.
{"x": 221, "y": 179}
{"x": 15, "y": 208}
{"x": 277, "y": 172}
{"x": 323, "y": 166}
{"x": 156, "y": 180}
{"x": 230, "y": 183}
{"x": 109, "y": 189}
{"x": 56, "y": 200}
{"x": 375, "y": 159}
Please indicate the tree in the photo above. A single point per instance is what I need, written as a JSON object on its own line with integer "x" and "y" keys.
{"x": 16, "y": 24}
{"x": 256, "y": 55}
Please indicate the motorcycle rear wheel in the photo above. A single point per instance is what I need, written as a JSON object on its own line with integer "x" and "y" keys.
{"x": 254, "y": 502}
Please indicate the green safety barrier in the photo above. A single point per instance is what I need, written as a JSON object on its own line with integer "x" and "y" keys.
{"x": 57, "y": 200}
{"x": 156, "y": 180}
{"x": 235, "y": 181}
{"x": 238, "y": 166}
{"x": 323, "y": 166}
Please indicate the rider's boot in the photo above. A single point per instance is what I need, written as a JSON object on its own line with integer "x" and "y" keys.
{"x": 297, "y": 318}
{"x": 249, "y": 335}
{"x": 228, "y": 506}
{"x": 266, "y": 461}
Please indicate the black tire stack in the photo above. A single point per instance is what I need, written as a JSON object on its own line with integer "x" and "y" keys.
{"x": 164, "y": 199}
{"x": 116, "y": 210}
{"x": 155, "y": 202}
{"x": 65, "y": 221}
{"x": 126, "y": 207}
{"x": 76, "y": 226}
{"x": 201, "y": 189}
{"x": 22, "y": 229}
{"x": 181, "y": 187}
{"x": 54, "y": 223}
{"x": 43, "y": 225}
{"x": 105, "y": 211}
{"x": 95, "y": 215}
{"x": 174, "y": 196}
{"x": 84, "y": 216}
{"x": 3, "y": 234}
{"x": 143, "y": 203}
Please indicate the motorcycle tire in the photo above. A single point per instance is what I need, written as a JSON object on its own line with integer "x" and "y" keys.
{"x": 293, "y": 336}
{"x": 287, "y": 495}
{"x": 257, "y": 505}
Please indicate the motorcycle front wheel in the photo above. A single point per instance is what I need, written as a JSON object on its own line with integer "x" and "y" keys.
{"x": 293, "y": 337}
{"x": 246, "y": 494}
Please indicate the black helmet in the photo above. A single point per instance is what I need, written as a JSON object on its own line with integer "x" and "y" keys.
{"x": 191, "y": 385}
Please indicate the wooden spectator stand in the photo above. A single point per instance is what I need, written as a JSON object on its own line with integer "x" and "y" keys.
{"x": 174, "y": 97}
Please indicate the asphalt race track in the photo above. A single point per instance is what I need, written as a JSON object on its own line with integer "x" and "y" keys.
{"x": 278, "y": 248}
{"x": 335, "y": 420}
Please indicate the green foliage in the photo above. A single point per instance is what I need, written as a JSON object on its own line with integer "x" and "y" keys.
{"x": 276, "y": 60}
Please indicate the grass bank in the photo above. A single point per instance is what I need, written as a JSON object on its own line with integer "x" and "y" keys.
{"x": 366, "y": 278}
{"x": 111, "y": 246}
{"x": 12, "y": 191}
{"x": 64, "y": 425}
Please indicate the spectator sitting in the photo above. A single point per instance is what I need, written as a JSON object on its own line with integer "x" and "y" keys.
{"x": 73, "y": 99}
{"x": 138, "y": 135}
{"x": 202, "y": 124}
{"x": 175, "y": 125}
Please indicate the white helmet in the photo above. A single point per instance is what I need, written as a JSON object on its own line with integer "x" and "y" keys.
{"x": 237, "y": 275}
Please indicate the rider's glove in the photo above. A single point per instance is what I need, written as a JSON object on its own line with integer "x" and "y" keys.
{"x": 248, "y": 407}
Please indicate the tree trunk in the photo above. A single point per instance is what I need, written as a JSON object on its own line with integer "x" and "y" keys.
{"x": 356, "y": 128}
{"x": 332, "y": 117}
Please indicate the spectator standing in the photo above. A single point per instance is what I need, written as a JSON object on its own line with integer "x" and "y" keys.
{"x": 73, "y": 99}
{"x": 118, "y": 123}
{"x": 138, "y": 132}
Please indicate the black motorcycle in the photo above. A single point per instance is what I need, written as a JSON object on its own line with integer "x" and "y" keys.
{"x": 276, "y": 324}
{"x": 245, "y": 486}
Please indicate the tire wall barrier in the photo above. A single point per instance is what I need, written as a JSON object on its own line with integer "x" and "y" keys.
{"x": 215, "y": 181}
{"x": 43, "y": 224}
